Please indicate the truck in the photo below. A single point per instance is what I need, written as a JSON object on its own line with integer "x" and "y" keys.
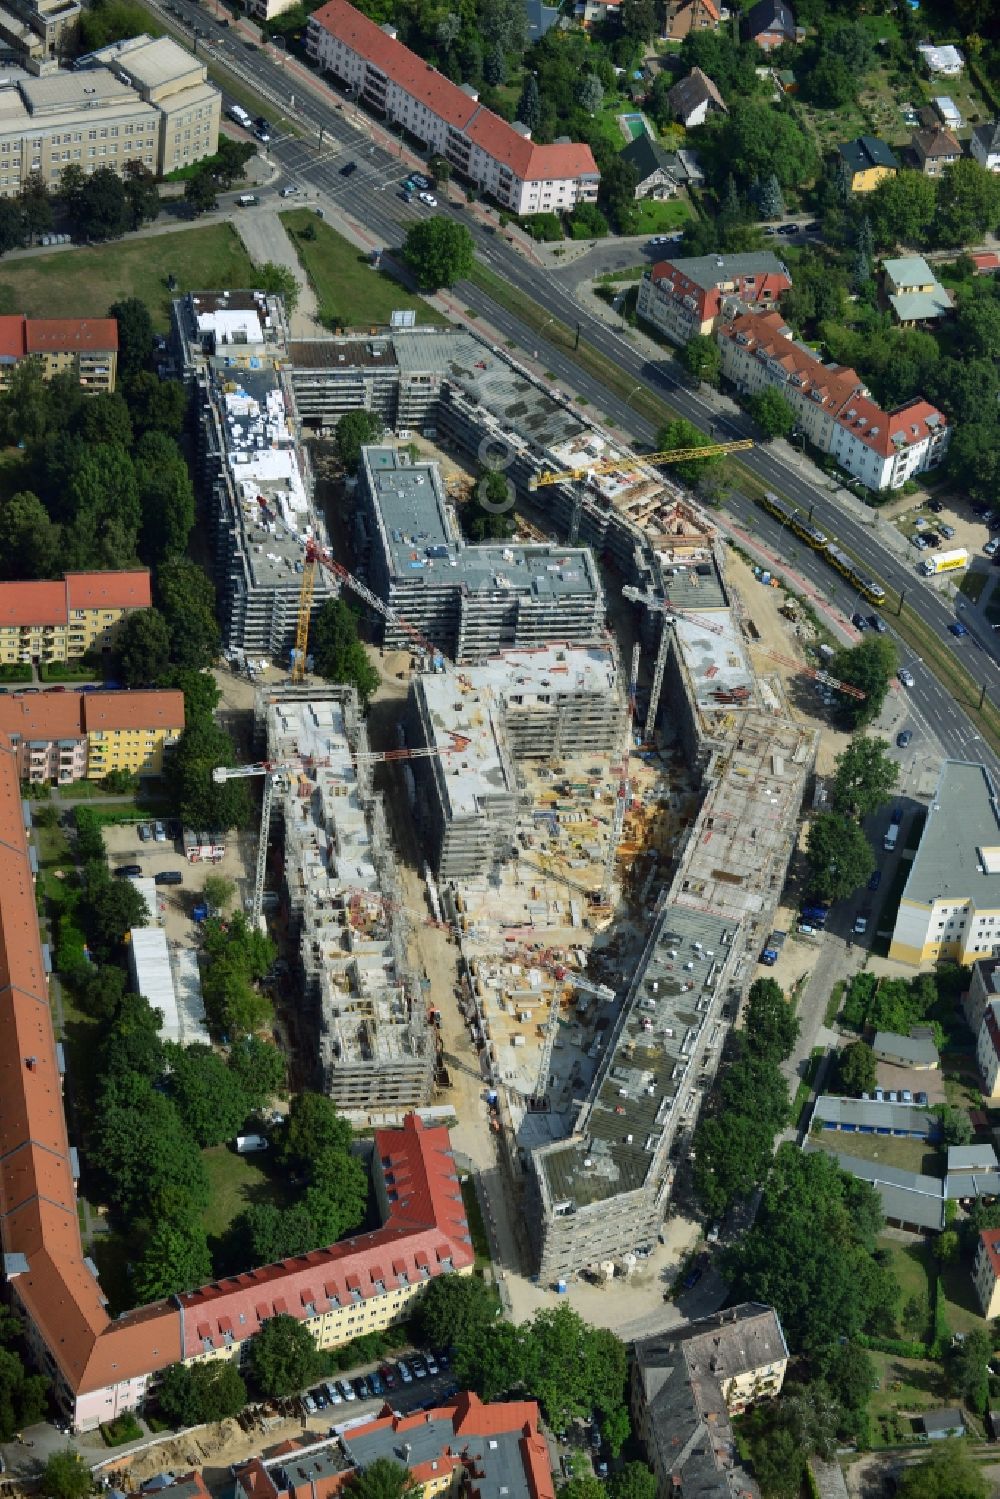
{"x": 239, "y": 116}
{"x": 815, "y": 915}
{"x": 891, "y": 835}
{"x": 772, "y": 948}
{"x": 944, "y": 562}
{"x": 250, "y": 1144}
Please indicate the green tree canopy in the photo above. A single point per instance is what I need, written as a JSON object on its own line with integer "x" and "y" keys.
{"x": 143, "y": 648}
{"x": 283, "y": 1357}
{"x": 66, "y": 1476}
{"x": 338, "y": 654}
{"x": 702, "y": 358}
{"x": 23, "y": 1396}
{"x": 192, "y": 1395}
{"x": 175, "y": 1258}
{"x": 949, "y": 1472}
{"x": 865, "y": 777}
{"x": 857, "y": 1070}
{"x": 280, "y": 282}
{"x": 356, "y": 430}
{"x": 451, "y": 1307}
{"x": 29, "y": 541}
{"x": 634, "y": 1481}
{"x": 135, "y": 336}
{"x": 142, "y": 1147}
{"x": 259, "y": 1068}
{"x": 772, "y": 413}
{"x": 439, "y": 252}
{"x": 239, "y": 958}
{"x": 678, "y": 436}
{"x": 840, "y": 857}
{"x": 314, "y": 1126}
{"x": 202, "y": 802}
{"x": 383, "y": 1479}
{"x": 166, "y": 497}
{"x": 208, "y": 1093}
{"x": 772, "y": 1027}
{"x": 489, "y": 514}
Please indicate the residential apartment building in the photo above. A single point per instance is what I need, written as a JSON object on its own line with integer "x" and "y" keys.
{"x": 988, "y": 1052}
{"x": 39, "y": 31}
{"x": 467, "y": 600}
{"x": 61, "y": 737}
{"x": 462, "y": 1447}
{"x": 346, "y": 914}
{"x": 42, "y": 622}
{"x": 543, "y": 703}
{"x": 501, "y": 159}
{"x": 986, "y": 1272}
{"x": 865, "y": 162}
{"x": 99, "y": 116}
{"x": 881, "y": 448}
{"x": 86, "y": 348}
{"x": 688, "y": 1383}
{"x": 950, "y": 909}
{"x": 684, "y": 297}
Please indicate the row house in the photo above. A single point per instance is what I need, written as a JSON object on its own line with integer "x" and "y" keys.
{"x": 61, "y": 621}
{"x": 63, "y": 737}
{"x": 682, "y": 298}
{"x": 501, "y": 159}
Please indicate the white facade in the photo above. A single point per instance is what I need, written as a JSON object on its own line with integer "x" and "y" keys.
{"x": 985, "y": 146}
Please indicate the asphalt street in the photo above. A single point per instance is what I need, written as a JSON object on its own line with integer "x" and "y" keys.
{"x": 371, "y": 194}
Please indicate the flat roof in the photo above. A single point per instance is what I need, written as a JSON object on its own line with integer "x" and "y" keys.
{"x": 84, "y": 90}
{"x": 152, "y": 62}
{"x": 348, "y": 353}
{"x": 868, "y": 1114}
{"x": 906, "y": 1196}
{"x": 917, "y": 1049}
{"x": 719, "y": 670}
{"x": 960, "y": 843}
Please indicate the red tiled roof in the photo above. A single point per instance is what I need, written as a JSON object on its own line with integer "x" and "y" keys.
{"x": 889, "y": 432}
{"x": 41, "y": 715}
{"x": 111, "y": 590}
{"x": 12, "y": 337}
{"x": 71, "y": 335}
{"x": 33, "y": 604}
{"x": 765, "y": 332}
{"x": 72, "y": 715}
{"x": 990, "y": 1240}
{"x": 987, "y": 260}
{"x": 142, "y": 709}
{"x": 936, "y": 142}
{"x": 530, "y": 162}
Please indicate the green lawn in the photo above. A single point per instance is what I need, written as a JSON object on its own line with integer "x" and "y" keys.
{"x": 961, "y": 1303}
{"x": 661, "y": 218}
{"x": 906, "y": 1384}
{"x": 349, "y": 292}
{"x": 890, "y": 1150}
{"x": 972, "y": 585}
{"x": 914, "y": 1269}
{"x": 236, "y": 1182}
{"x": 84, "y": 281}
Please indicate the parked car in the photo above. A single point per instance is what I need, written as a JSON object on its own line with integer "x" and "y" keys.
{"x": 806, "y": 929}
{"x": 159, "y": 832}
{"x": 432, "y": 1367}
{"x": 878, "y": 623}
{"x": 128, "y": 871}
{"x": 947, "y": 532}
{"x": 897, "y": 815}
{"x": 659, "y": 239}
{"x": 419, "y": 179}
{"x": 145, "y": 832}
{"x": 903, "y": 738}
{"x": 389, "y": 1377}
{"x": 375, "y": 1383}
{"x": 419, "y": 1368}
{"x": 321, "y": 1399}
{"x": 905, "y": 676}
{"x": 920, "y": 1098}
{"x": 936, "y": 506}
{"x": 361, "y": 1387}
{"x": 860, "y": 925}
{"x": 169, "y": 877}
{"x": 991, "y": 548}
{"x": 906, "y": 1096}
{"x": 921, "y": 543}
{"x": 892, "y": 1096}
{"x": 289, "y": 192}
{"x": 404, "y": 1372}
{"x": 859, "y": 622}
{"x": 875, "y": 879}
{"x": 932, "y": 538}
{"x": 429, "y": 199}
{"x": 309, "y": 1405}
{"x": 333, "y": 1394}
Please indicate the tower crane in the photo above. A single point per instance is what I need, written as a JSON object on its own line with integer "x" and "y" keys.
{"x": 546, "y": 959}
{"x": 317, "y": 557}
{"x": 622, "y": 465}
{"x": 624, "y": 788}
{"x": 271, "y": 769}
{"x": 664, "y": 606}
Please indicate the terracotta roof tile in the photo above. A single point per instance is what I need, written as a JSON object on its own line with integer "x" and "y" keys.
{"x": 12, "y": 337}
{"x": 110, "y": 590}
{"x": 33, "y": 604}
{"x": 990, "y": 1240}
{"x": 41, "y": 715}
{"x": 71, "y": 335}
{"x": 144, "y": 709}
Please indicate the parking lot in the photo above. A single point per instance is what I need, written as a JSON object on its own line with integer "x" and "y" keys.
{"x": 175, "y": 902}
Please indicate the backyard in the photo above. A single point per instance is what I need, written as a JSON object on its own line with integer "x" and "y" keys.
{"x": 237, "y": 1182}
{"x": 349, "y": 291}
{"x": 84, "y": 281}
{"x": 888, "y": 1150}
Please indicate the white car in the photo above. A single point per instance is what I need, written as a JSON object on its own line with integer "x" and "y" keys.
{"x": 990, "y": 548}
{"x": 906, "y": 677}
{"x": 860, "y": 925}
{"x": 659, "y": 239}
{"x": 289, "y": 192}
{"x": 429, "y": 199}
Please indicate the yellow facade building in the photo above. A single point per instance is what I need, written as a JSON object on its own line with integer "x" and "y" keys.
{"x": 987, "y": 1272}
{"x": 72, "y": 736}
{"x": 865, "y": 162}
{"x": 950, "y": 908}
{"x": 42, "y": 622}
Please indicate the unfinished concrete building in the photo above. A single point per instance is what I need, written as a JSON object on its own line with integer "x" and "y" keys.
{"x": 468, "y": 600}
{"x": 539, "y": 703}
{"x": 376, "y": 1050}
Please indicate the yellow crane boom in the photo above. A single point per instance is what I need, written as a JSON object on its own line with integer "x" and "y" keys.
{"x": 611, "y": 465}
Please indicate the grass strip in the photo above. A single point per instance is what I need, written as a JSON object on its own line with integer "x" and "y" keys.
{"x": 804, "y": 1091}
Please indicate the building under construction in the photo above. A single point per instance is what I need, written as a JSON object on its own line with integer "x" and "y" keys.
{"x": 543, "y": 703}
{"x": 469, "y": 600}
{"x": 375, "y": 1048}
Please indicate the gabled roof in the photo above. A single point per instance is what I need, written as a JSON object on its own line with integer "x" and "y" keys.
{"x": 867, "y": 151}
{"x": 935, "y": 142}
{"x": 648, "y": 156}
{"x": 988, "y": 137}
{"x": 71, "y": 335}
{"x": 989, "y": 1238}
{"x": 770, "y": 15}
{"x": 697, "y": 88}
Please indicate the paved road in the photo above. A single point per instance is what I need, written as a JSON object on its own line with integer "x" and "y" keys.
{"x": 371, "y": 196}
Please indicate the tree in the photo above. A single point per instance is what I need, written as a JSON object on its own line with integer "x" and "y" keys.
{"x": 756, "y": 141}
{"x": 337, "y": 1195}
{"x": 191, "y": 1395}
{"x": 66, "y": 1476}
{"x": 840, "y": 857}
{"x": 681, "y": 434}
{"x": 583, "y": 1486}
{"x": 100, "y": 210}
{"x": 810, "y": 1253}
{"x": 102, "y": 500}
{"x": 111, "y": 908}
{"x": 175, "y": 1258}
{"x": 201, "y": 191}
{"x": 156, "y": 405}
{"x": 382, "y": 1479}
{"x": 451, "y": 1307}
{"x": 186, "y": 596}
{"x": 968, "y": 203}
{"x": 948, "y": 1473}
{"x": 864, "y": 779}
{"x": 591, "y": 93}
{"x": 29, "y": 541}
{"x": 264, "y": 1234}
{"x": 956, "y": 1128}
{"x": 570, "y": 1367}
{"x": 490, "y": 1360}
{"x": 772, "y": 1027}
{"x": 870, "y": 665}
{"x": 218, "y": 891}
{"x": 11, "y": 225}
{"x": 634, "y": 1481}
{"x": 702, "y": 358}
{"x": 23, "y": 1396}
{"x": 314, "y": 1126}
{"x": 338, "y": 654}
{"x": 489, "y": 514}
{"x": 728, "y": 64}
{"x": 772, "y": 413}
{"x": 135, "y": 336}
{"x": 99, "y": 992}
{"x": 439, "y": 252}
{"x": 767, "y": 197}
{"x": 529, "y": 107}
{"x": 35, "y": 204}
{"x": 283, "y": 1357}
{"x": 166, "y": 498}
{"x": 857, "y": 1070}
{"x": 639, "y": 20}
{"x": 260, "y": 1069}
{"x": 968, "y": 1365}
{"x": 280, "y": 282}
{"x": 439, "y": 168}
{"x": 207, "y": 1093}
{"x": 239, "y": 957}
{"x": 202, "y": 802}
{"x": 901, "y": 209}
{"x": 356, "y": 430}
{"x": 142, "y": 196}
{"x": 143, "y": 648}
